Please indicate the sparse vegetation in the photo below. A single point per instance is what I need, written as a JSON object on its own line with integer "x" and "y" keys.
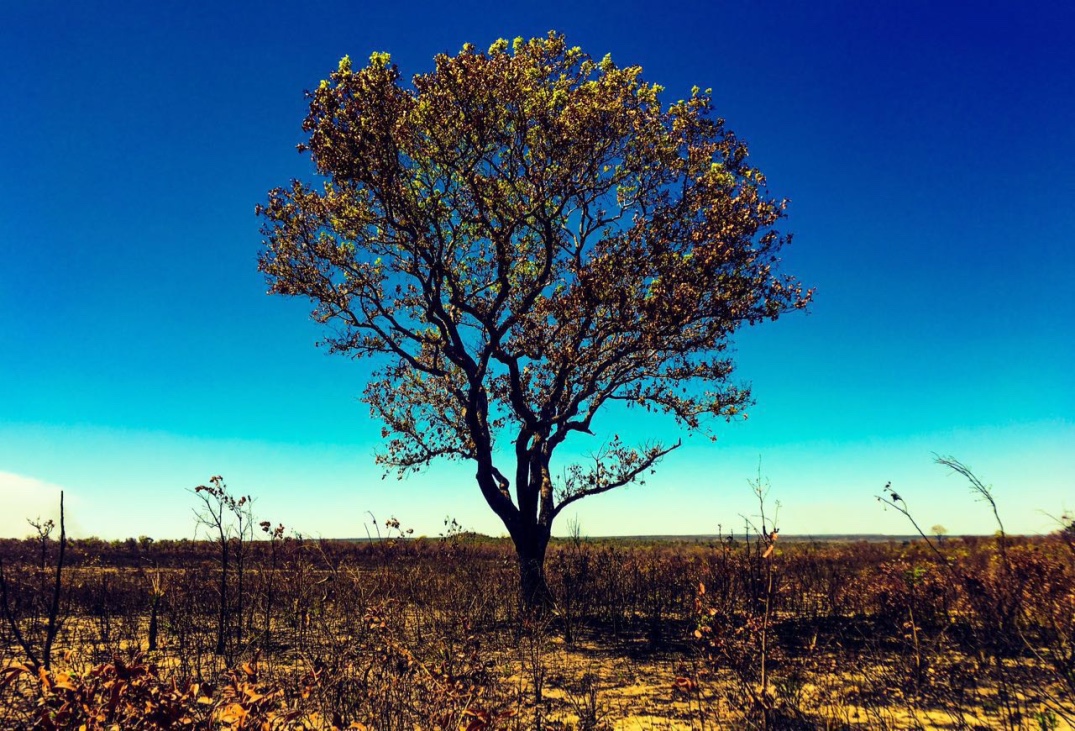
{"x": 396, "y": 632}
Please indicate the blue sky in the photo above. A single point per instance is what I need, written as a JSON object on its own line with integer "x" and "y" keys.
{"x": 927, "y": 150}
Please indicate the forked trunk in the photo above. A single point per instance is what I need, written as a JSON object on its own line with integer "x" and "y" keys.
{"x": 528, "y": 521}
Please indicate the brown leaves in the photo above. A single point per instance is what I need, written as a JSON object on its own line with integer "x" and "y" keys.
{"x": 131, "y": 694}
{"x": 524, "y": 235}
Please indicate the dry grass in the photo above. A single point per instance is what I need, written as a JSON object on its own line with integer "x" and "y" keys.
{"x": 428, "y": 634}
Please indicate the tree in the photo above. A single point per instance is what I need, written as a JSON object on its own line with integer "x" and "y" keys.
{"x": 54, "y": 619}
{"x": 229, "y": 520}
{"x": 523, "y": 237}
{"x": 43, "y": 530}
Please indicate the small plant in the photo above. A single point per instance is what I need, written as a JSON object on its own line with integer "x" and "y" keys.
{"x": 230, "y": 521}
{"x": 275, "y": 536}
{"x": 156, "y": 594}
{"x": 739, "y": 636}
{"x": 584, "y": 699}
{"x": 43, "y": 530}
{"x": 54, "y": 618}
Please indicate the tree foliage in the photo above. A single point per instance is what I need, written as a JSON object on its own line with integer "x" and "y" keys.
{"x": 522, "y": 237}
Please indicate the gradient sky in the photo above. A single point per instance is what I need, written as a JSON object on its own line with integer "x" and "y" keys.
{"x": 928, "y": 149}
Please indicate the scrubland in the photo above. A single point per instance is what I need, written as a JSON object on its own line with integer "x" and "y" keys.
{"x": 975, "y": 632}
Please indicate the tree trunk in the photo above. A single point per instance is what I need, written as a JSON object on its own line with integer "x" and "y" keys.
{"x": 530, "y": 548}
{"x": 529, "y": 522}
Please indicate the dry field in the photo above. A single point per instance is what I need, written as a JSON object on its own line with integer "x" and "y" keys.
{"x": 401, "y": 633}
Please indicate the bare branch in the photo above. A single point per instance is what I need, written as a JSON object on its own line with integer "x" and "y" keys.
{"x": 627, "y": 465}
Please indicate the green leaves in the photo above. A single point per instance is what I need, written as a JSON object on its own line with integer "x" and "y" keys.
{"x": 523, "y": 237}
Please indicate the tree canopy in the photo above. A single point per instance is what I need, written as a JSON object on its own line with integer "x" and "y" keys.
{"x": 522, "y": 237}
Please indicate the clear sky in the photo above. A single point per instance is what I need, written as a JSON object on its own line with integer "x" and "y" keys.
{"x": 928, "y": 149}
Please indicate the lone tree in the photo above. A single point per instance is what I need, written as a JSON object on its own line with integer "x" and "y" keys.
{"x": 523, "y": 237}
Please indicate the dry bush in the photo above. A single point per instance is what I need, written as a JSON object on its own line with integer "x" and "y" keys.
{"x": 428, "y": 633}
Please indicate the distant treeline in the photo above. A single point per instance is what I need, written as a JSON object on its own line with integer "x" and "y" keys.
{"x": 185, "y": 552}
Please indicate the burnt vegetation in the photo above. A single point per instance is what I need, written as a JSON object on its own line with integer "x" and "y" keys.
{"x": 402, "y": 632}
